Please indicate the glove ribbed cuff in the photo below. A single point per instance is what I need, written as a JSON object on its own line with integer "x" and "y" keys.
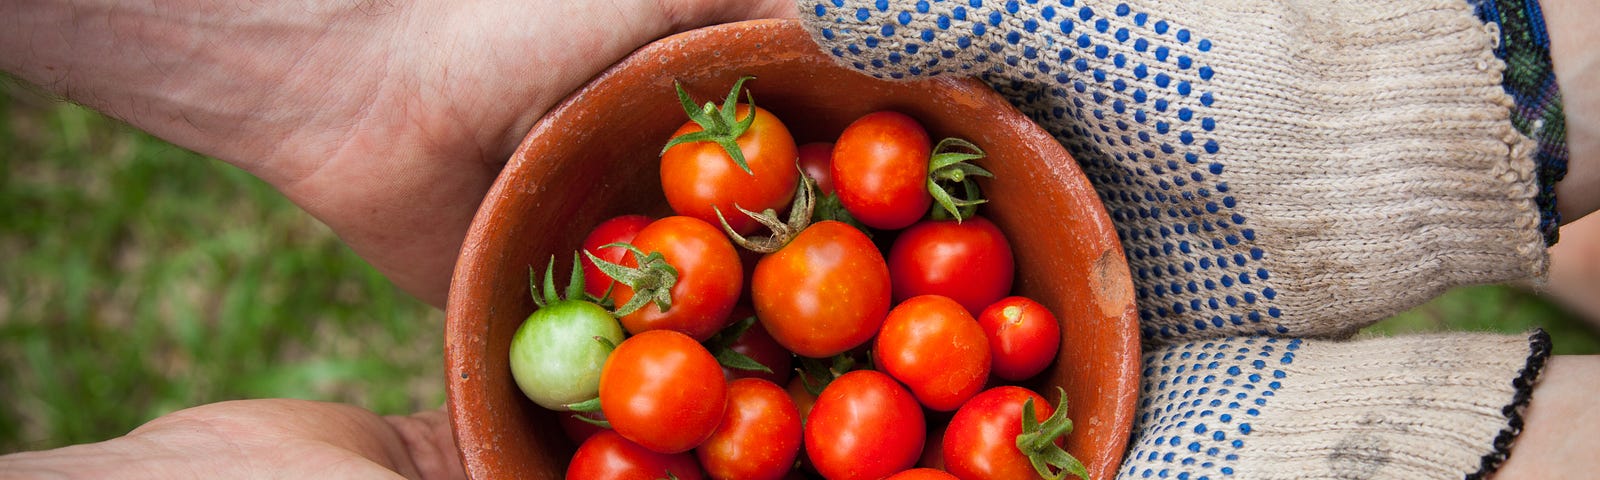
{"x": 1443, "y": 406}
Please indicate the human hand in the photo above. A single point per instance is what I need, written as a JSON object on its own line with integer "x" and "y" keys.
{"x": 387, "y": 121}
{"x": 259, "y": 439}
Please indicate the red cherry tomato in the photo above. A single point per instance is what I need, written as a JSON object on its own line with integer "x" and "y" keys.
{"x": 697, "y": 176}
{"x": 663, "y": 390}
{"x": 880, "y": 170}
{"x": 864, "y": 426}
{"x": 922, "y": 474}
{"x": 759, "y": 436}
{"x": 620, "y": 229}
{"x": 757, "y": 344}
{"x": 816, "y": 160}
{"x": 607, "y": 455}
{"x": 825, "y": 292}
{"x": 577, "y": 430}
{"x": 931, "y": 344}
{"x": 1023, "y": 337}
{"x": 970, "y": 262}
{"x": 981, "y": 441}
{"x": 709, "y": 278}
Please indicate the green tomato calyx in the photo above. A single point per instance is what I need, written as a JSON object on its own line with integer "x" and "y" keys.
{"x": 782, "y": 232}
{"x": 651, "y": 281}
{"x": 953, "y": 181}
{"x": 1038, "y": 441}
{"x": 718, "y": 125}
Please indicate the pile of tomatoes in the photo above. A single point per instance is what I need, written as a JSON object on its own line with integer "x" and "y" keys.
{"x": 729, "y": 342}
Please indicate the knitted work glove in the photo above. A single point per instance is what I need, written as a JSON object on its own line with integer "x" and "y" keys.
{"x": 1404, "y": 408}
{"x": 1283, "y": 168}
{"x": 1273, "y": 167}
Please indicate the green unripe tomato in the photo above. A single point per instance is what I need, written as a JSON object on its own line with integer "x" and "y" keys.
{"x": 555, "y": 357}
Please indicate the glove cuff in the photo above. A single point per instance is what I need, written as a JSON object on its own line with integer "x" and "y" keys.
{"x": 1444, "y": 406}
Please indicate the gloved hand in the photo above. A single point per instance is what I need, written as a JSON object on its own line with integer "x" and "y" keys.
{"x": 1288, "y": 169}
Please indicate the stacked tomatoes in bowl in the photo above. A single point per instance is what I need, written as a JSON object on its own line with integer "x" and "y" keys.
{"x": 876, "y": 307}
{"x": 598, "y": 155}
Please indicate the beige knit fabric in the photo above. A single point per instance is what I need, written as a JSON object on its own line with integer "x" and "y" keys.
{"x": 1296, "y": 168}
{"x": 1417, "y": 407}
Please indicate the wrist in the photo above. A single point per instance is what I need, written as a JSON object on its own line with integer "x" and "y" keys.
{"x": 1577, "y": 69}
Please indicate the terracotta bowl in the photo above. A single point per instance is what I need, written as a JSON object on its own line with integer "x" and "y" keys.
{"x": 595, "y": 156}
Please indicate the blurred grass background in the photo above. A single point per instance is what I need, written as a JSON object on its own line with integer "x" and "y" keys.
{"x": 137, "y": 278}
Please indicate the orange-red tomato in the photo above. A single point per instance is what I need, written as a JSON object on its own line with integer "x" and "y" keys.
{"x": 864, "y": 426}
{"x": 922, "y": 474}
{"x": 880, "y": 170}
{"x": 932, "y": 345}
{"x": 709, "y": 278}
{"x": 609, "y": 456}
{"x": 981, "y": 441}
{"x": 969, "y": 261}
{"x": 699, "y": 178}
{"x": 825, "y": 292}
{"x": 663, "y": 390}
{"x": 759, "y": 436}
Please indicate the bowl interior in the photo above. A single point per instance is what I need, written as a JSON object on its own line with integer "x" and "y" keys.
{"x": 595, "y": 156}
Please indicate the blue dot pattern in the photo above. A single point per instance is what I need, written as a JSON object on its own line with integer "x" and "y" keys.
{"x": 1199, "y": 402}
{"x": 1132, "y": 96}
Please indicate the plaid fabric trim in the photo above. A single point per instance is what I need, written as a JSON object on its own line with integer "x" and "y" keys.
{"x": 1531, "y": 81}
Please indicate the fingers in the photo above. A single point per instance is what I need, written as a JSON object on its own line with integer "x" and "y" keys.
{"x": 430, "y": 443}
{"x": 691, "y": 14}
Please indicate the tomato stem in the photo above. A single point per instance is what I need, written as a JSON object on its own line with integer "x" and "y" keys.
{"x": 652, "y": 280}
{"x": 718, "y": 125}
{"x": 1038, "y": 441}
{"x": 721, "y": 347}
{"x": 782, "y": 232}
{"x": 952, "y": 180}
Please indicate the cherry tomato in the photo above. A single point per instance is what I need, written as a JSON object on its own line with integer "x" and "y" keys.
{"x": 880, "y": 170}
{"x": 981, "y": 441}
{"x": 577, "y": 430}
{"x": 931, "y": 344}
{"x": 816, "y": 160}
{"x": 970, "y": 262}
{"x": 759, "y": 435}
{"x": 663, "y": 390}
{"x": 620, "y": 229}
{"x": 607, "y": 455}
{"x": 709, "y": 278}
{"x": 1023, "y": 337}
{"x": 758, "y": 345}
{"x": 825, "y": 292}
{"x": 864, "y": 426}
{"x": 697, "y": 176}
{"x": 555, "y": 359}
{"x": 922, "y": 474}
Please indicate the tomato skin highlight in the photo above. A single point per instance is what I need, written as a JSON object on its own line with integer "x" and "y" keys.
{"x": 825, "y": 292}
{"x": 710, "y": 278}
{"x": 864, "y": 426}
{"x": 880, "y": 170}
{"x": 1024, "y": 337}
{"x": 700, "y": 177}
{"x": 933, "y": 346}
{"x": 607, "y": 455}
{"x": 971, "y": 262}
{"x": 620, "y": 229}
{"x": 663, "y": 390}
{"x": 759, "y": 436}
{"x": 981, "y": 441}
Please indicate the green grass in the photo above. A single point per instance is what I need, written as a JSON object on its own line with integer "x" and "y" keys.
{"x": 137, "y": 278}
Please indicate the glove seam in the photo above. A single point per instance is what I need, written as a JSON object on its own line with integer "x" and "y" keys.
{"x": 1539, "y": 353}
